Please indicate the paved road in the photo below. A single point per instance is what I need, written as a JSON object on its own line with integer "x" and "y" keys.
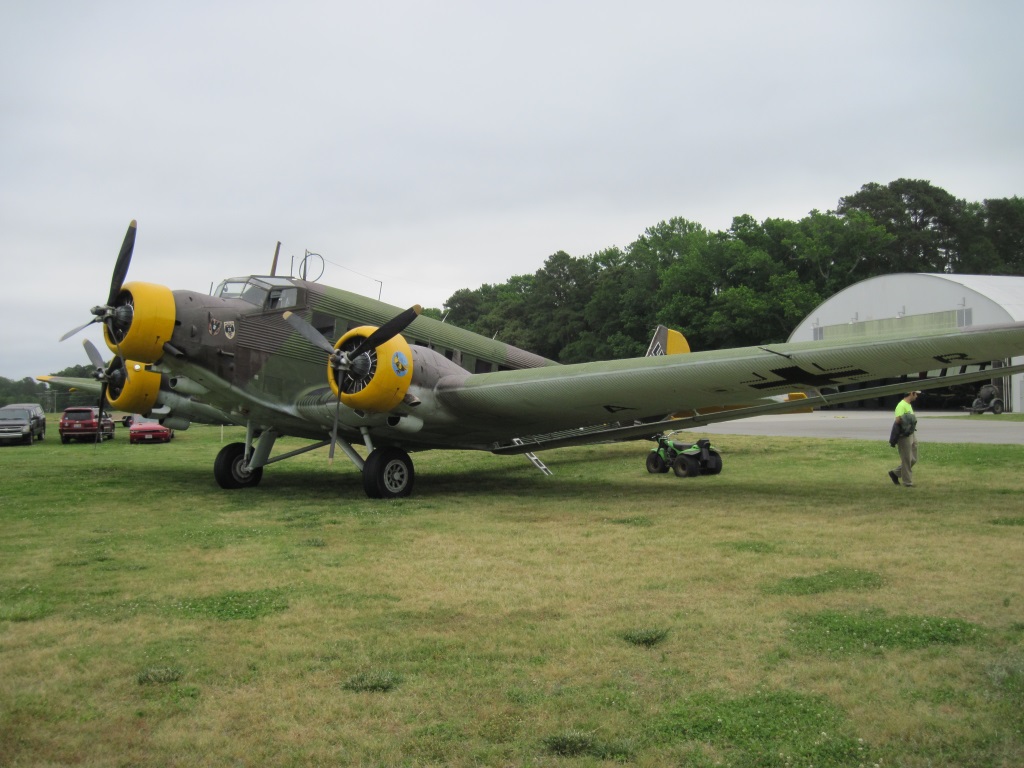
{"x": 875, "y": 425}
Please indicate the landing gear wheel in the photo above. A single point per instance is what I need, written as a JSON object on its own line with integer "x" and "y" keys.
{"x": 229, "y": 468}
{"x": 388, "y": 474}
{"x": 656, "y": 464}
{"x": 686, "y": 466}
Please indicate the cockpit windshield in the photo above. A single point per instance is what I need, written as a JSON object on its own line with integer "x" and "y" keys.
{"x": 266, "y": 292}
{"x": 231, "y": 289}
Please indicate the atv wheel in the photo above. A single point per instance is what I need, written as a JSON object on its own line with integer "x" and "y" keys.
{"x": 713, "y": 465}
{"x": 686, "y": 466}
{"x": 656, "y": 464}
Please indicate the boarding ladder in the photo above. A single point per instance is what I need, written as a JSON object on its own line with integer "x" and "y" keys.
{"x": 533, "y": 458}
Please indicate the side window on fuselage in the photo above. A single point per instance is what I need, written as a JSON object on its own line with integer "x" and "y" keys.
{"x": 282, "y": 298}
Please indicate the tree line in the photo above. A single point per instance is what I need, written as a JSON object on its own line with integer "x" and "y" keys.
{"x": 749, "y": 285}
{"x": 28, "y": 390}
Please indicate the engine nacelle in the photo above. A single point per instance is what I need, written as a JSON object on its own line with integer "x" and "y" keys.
{"x": 152, "y": 322}
{"x": 388, "y": 380}
{"x": 137, "y": 392}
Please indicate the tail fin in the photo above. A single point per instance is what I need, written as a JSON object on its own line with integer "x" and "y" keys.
{"x": 667, "y": 342}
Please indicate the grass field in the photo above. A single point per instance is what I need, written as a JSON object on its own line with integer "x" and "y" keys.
{"x": 796, "y": 610}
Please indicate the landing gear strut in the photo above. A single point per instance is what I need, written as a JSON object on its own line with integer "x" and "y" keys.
{"x": 387, "y": 472}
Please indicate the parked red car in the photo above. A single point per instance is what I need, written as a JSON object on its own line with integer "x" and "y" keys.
{"x": 83, "y": 422}
{"x": 143, "y": 430}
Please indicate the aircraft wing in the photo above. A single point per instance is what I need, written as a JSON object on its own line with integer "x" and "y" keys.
{"x": 634, "y": 431}
{"x": 92, "y": 386}
{"x": 504, "y": 405}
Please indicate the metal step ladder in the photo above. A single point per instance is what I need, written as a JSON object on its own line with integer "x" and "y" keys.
{"x": 533, "y": 458}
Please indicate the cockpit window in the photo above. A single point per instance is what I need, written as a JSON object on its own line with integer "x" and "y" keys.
{"x": 267, "y": 292}
{"x": 231, "y": 289}
{"x": 283, "y": 298}
{"x": 254, "y": 294}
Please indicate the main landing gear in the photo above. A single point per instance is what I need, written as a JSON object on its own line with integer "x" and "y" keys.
{"x": 387, "y": 472}
{"x": 232, "y": 470}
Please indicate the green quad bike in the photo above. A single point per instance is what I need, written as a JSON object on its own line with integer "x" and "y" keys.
{"x": 685, "y": 459}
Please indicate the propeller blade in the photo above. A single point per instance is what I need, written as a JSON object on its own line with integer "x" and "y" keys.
{"x": 124, "y": 259}
{"x": 106, "y": 313}
{"x": 334, "y": 429}
{"x": 94, "y": 355}
{"x": 73, "y": 331}
{"x": 341, "y": 362}
{"x": 388, "y": 331}
{"x": 308, "y": 332}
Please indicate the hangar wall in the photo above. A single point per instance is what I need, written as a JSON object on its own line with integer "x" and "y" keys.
{"x": 911, "y": 302}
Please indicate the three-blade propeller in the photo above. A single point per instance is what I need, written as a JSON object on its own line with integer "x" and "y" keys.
{"x": 345, "y": 362}
{"x": 112, "y": 316}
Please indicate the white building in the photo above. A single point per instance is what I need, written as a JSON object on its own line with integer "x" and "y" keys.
{"x": 921, "y": 302}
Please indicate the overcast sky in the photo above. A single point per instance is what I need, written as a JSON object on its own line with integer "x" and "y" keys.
{"x": 424, "y": 147}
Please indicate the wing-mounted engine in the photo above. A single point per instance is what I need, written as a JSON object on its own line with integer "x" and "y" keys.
{"x": 378, "y": 378}
{"x": 136, "y": 392}
{"x": 142, "y": 322}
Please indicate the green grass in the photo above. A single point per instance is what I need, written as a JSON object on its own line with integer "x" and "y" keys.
{"x": 797, "y": 609}
{"x": 874, "y": 631}
{"x": 1007, "y": 417}
{"x": 832, "y": 580}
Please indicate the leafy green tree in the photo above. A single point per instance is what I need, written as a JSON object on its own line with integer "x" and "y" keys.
{"x": 557, "y": 301}
{"x": 923, "y": 219}
{"x": 831, "y": 251}
{"x": 750, "y": 284}
{"x": 1003, "y": 227}
{"x": 20, "y": 391}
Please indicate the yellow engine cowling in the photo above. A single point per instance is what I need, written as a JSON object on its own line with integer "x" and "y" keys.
{"x": 152, "y": 322}
{"x": 139, "y": 392}
{"x": 391, "y": 378}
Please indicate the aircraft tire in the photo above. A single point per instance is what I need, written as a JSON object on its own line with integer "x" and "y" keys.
{"x": 388, "y": 474}
{"x": 686, "y": 466}
{"x": 656, "y": 464}
{"x": 228, "y": 471}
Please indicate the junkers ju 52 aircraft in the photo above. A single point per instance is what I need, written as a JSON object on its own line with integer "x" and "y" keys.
{"x": 286, "y": 357}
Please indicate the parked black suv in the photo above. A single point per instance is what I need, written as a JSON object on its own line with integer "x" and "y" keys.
{"x": 22, "y": 423}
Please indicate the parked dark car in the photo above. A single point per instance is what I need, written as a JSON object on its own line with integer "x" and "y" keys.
{"x": 22, "y": 423}
{"x": 143, "y": 430}
{"x": 83, "y": 422}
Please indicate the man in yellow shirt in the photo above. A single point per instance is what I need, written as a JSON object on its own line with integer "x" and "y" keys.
{"x": 905, "y": 432}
